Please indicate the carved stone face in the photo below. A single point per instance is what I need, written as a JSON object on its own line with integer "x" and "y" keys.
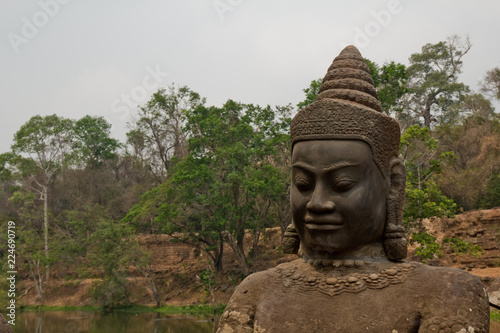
{"x": 338, "y": 196}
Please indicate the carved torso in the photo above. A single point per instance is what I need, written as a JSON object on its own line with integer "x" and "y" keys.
{"x": 377, "y": 297}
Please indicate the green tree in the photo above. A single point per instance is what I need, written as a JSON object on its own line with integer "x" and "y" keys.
{"x": 41, "y": 148}
{"x": 156, "y": 136}
{"x": 7, "y": 186}
{"x": 30, "y": 248}
{"x": 5, "y": 251}
{"x": 475, "y": 105}
{"x": 227, "y": 184}
{"x": 429, "y": 245}
{"x": 29, "y": 234}
{"x": 433, "y": 79}
{"x": 92, "y": 143}
{"x": 109, "y": 255}
{"x": 419, "y": 152}
{"x": 78, "y": 226}
{"x": 5, "y": 171}
{"x": 475, "y": 141}
{"x": 390, "y": 81}
{"x": 141, "y": 259}
{"x": 232, "y": 148}
{"x": 491, "y": 197}
{"x": 490, "y": 84}
{"x": 143, "y": 215}
{"x": 311, "y": 92}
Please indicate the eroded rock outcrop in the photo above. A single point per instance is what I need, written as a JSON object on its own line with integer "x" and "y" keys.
{"x": 481, "y": 227}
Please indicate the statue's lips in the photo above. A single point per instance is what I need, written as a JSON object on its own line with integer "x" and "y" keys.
{"x": 322, "y": 223}
{"x": 322, "y": 226}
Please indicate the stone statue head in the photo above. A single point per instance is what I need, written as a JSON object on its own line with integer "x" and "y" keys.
{"x": 347, "y": 181}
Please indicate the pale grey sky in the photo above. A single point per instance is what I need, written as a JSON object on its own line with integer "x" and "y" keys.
{"x": 79, "y": 57}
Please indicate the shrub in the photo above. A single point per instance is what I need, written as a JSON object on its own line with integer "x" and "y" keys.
{"x": 428, "y": 248}
{"x": 110, "y": 292}
{"x": 460, "y": 246}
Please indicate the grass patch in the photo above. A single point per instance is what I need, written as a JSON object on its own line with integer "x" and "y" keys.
{"x": 201, "y": 309}
{"x": 40, "y": 308}
{"x": 495, "y": 315}
{"x": 168, "y": 309}
{"x": 134, "y": 309}
{"x": 192, "y": 309}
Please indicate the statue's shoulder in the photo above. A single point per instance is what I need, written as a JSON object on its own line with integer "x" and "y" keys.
{"x": 449, "y": 298}
{"x": 447, "y": 280}
{"x": 258, "y": 280}
{"x": 446, "y": 276}
{"x": 242, "y": 306}
{"x": 261, "y": 283}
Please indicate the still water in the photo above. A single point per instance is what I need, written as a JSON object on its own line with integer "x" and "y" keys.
{"x": 91, "y": 322}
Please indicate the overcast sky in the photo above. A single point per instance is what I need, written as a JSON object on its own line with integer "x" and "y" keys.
{"x": 80, "y": 57}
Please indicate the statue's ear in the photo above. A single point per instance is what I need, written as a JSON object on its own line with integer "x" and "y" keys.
{"x": 395, "y": 240}
{"x": 291, "y": 240}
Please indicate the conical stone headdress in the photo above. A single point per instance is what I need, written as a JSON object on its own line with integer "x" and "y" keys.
{"x": 348, "y": 108}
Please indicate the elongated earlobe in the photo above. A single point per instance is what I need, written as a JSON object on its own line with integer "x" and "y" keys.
{"x": 291, "y": 240}
{"x": 395, "y": 243}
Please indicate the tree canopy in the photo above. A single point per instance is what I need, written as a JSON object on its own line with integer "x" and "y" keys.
{"x": 156, "y": 135}
{"x": 228, "y": 181}
{"x": 434, "y": 79}
{"x": 92, "y": 142}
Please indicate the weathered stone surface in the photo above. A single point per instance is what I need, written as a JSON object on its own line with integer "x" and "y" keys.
{"x": 414, "y": 302}
{"x": 494, "y": 293}
{"x": 483, "y": 225}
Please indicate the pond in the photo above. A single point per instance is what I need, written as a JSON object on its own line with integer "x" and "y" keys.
{"x": 98, "y": 322}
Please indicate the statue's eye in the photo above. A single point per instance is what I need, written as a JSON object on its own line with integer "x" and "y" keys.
{"x": 302, "y": 183}
{"x": 343, "y": 184}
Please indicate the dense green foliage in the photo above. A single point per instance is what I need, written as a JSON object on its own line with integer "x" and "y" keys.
{"x": 422, "y": 161}
{"x": 460, "y": 246}
{"x": 311, "y": 93}
{"x": 108, "y": 255}
{"x": 429, "y": 246}
{"x": 495, "y": 315}
{"x": 92, "y": 144}
{"x": 390, "y": 81}
{"x": 227, "y": 184}
{"x": 491, "y": 197}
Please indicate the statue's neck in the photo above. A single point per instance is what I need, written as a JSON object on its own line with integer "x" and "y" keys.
{"x": 369, "y": 252}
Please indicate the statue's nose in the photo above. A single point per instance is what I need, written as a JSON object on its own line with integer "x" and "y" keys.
{"x": 321, "y": 202}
